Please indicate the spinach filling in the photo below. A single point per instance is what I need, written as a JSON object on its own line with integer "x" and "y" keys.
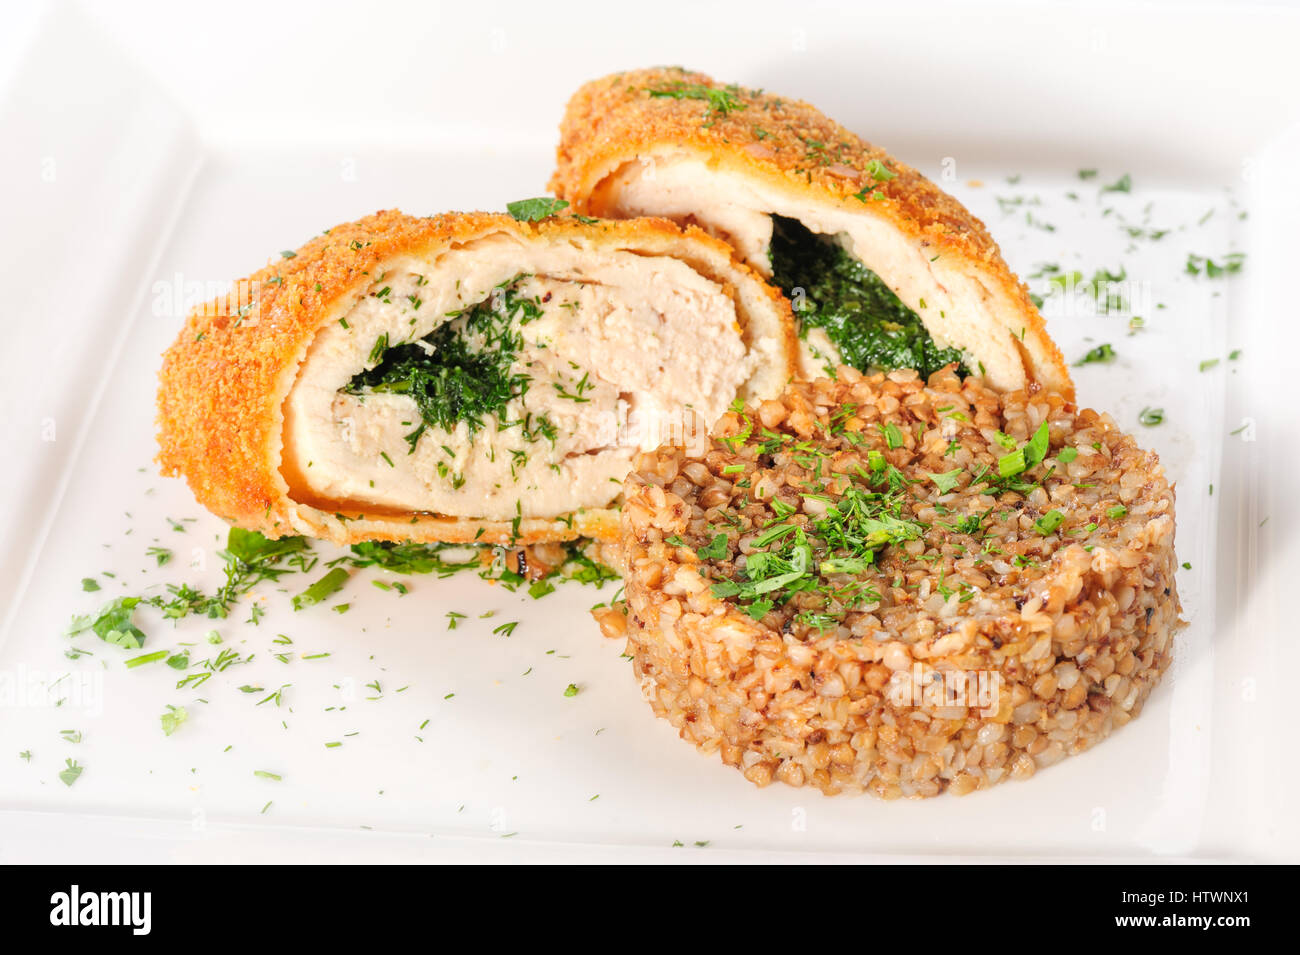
{"x": 462, "y": 371}
{"x": 862, "y": 316}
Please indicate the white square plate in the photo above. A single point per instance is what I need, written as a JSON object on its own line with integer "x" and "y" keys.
{"x": 125, "y": 203}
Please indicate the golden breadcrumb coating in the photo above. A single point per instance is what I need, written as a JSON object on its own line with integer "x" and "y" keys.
{"x": 224, "y": 381}
{"x": 790, "y": 146}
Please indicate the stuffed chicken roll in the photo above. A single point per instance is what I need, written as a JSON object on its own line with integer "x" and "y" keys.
{"x": 884, "y": 269}
{"x": 464, "y": 377}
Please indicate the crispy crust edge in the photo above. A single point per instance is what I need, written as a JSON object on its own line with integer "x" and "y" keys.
{"x": 223, "y": 382}
{"x": 614, "y": 120}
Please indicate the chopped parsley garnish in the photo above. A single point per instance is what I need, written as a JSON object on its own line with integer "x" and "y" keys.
{"x": 791, "y": 558}
{"x": 113, "y": 624}
{"x": 1102, "y": 354}
{"x": 409, "y": 558}
{"x": 878, "y": 171}
{"x": 413, "y": 558}
{"x": 1024, "y": 458}
{"x": 716, "y": 549}
{"x": 947, "y": 481}
{"x": 1123, "y": 184}
{"x": 1036, "y": 448}
{"x": 1232, "y": 264}
{"x": 71, "y": 772}
{"x": 1151, "y": 416}
{"x": 720, "y": 100}
{"x": 535, "y": 210}
{"x": 173, "y": 718}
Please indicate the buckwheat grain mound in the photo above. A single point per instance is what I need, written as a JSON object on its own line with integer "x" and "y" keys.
{"x": 797, "y": 594}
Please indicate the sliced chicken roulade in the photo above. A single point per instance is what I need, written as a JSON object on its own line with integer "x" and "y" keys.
{"x": 465, "y": 377}
{"x": 884, "y": 269}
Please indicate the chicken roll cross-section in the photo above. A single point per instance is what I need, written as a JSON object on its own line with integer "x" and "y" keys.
{"x": 465, "y": 377}
{"x": 885, "y": 269}
{"x": 877, "y": 584}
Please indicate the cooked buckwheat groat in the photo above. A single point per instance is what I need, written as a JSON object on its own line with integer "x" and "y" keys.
{"x": 878, "y": 583}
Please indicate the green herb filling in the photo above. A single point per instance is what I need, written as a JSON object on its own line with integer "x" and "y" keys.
{"x": 463, "y": 369}
{"x": 862, "y": 316}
